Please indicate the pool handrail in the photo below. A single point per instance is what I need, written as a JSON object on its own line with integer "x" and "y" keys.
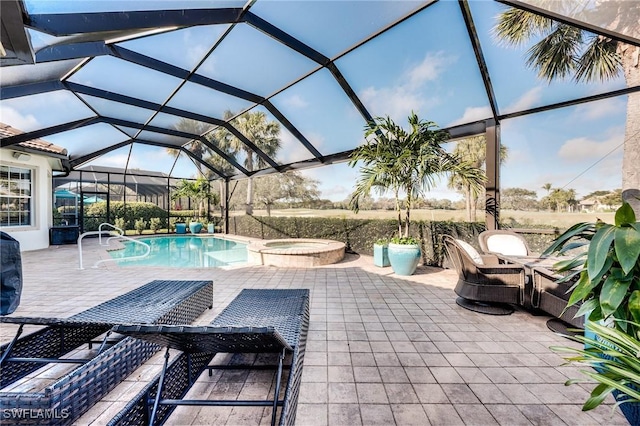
{"x": 113, "y": 234}
{"x": 121, "y": 232}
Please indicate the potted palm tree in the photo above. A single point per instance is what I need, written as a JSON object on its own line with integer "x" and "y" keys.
{"x": 199, "y": 191}
{"x": 404, "y": 162}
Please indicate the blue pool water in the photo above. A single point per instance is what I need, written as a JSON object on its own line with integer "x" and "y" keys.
{"x": 184, "y": 252}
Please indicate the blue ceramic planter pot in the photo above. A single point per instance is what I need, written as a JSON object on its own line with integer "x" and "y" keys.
{"x": 404, "y": 258}
{"x": 631, "y": 410}
{"x": 181, "y": 228}
{"x": 195, "y": 227}
{"x": 381, "y": 255}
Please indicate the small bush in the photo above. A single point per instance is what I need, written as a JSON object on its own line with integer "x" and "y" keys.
{"x": 154, "y": 224}
{"x": 130, "y": 211}
{"x": 140, "y": 225}
{"x": 120, "y": 223}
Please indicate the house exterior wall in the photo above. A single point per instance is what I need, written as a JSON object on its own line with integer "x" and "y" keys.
{"x": 36, "y": 236}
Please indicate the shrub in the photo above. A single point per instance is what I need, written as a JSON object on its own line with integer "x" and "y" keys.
{"x": 57, "y": 217}
{"x": 154, "y": 224}
{"x": 118, "y": 209}
{"x": 140, "y": 225}
{"x": 120, "y": 223}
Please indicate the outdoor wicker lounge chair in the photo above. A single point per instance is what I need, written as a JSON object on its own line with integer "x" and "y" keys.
{"x": 551, "y": 297}
{"x": 158, "y": 302}
{"x": 503, "y": 242}
{"x": 256, "y": 321}
{"x": 484, "y": 285}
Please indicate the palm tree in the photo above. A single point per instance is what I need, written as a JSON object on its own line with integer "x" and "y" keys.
{"x": 263, "y": 133}
{"x": 566, "y": 51}
{"x": 474, "y": 151}
{"x": 198, "y": 149}
{"x": 219, "y": 163}
{"x": 197, "y": 190}
{"x": 400, "y": 161}
{"x": 547, "y": 186}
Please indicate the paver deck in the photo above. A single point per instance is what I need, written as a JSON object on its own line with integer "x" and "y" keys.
{"x": 382, "y": 349}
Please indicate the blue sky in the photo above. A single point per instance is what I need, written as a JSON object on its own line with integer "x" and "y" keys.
{"x": 425, "y": 65}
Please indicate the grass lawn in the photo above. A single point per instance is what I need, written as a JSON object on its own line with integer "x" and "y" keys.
{"x": 522, "y": 218}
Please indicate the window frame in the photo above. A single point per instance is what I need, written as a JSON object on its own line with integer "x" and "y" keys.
{"x": 21, "y": 170}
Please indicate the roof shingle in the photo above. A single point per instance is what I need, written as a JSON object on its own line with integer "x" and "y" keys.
{"x": 34, "y": 144}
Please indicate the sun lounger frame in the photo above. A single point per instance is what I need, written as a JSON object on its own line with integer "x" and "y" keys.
{"x": 277, "y": 321}
{"x": 158, "y": 302}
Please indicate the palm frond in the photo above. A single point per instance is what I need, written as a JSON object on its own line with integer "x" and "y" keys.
{"x": 600, "y": 61}
{"x": 515, "y": 27}
{"x": 556, "y": 55}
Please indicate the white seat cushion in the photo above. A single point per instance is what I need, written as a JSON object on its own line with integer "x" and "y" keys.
{"x": 472, "y": 252}
{"x": 509, "y": 245}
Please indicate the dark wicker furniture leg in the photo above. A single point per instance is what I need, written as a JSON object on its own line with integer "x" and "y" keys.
{"x": 158, "y": 302}
{"x": 551, "y": 297}
{"x": 256, "y": 321}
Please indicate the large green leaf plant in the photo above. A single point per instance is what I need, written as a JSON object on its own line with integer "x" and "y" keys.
{"x": 609, "y": 270}
{"x": 613, "y": 355}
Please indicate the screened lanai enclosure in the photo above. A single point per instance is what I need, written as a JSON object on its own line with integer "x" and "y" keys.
{"x": 143, "y": 94}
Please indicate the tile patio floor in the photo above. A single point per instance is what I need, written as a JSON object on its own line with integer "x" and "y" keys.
{"x": 381, "y": 349}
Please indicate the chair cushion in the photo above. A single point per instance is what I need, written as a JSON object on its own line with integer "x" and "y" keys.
{"x": 472, "y": 252}
{"x": 506, "y": 244}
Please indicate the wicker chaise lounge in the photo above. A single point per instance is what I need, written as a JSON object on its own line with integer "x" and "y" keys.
{"x": 158, "y": 302}
{"x": 256, "y": 321}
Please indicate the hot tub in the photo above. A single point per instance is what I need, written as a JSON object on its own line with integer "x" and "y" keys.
{"x": 295, "y": 253}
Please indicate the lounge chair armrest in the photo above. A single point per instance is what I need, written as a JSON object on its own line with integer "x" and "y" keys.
{"x": 490, "y": 259}
{"x": 501, "y": 269}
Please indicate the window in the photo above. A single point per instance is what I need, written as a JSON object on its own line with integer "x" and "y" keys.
{"x": 15, "y": 196}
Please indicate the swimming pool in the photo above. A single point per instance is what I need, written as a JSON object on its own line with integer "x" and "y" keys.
{"x": 183, "y": 252}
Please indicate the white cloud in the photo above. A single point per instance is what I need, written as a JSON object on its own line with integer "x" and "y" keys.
{"x": 335, "y": 181}
{"x": 603, "y": 108}
{"x": 293, "y": 150}
{"x": 296, "y": 101}
{"x": 431, "y": 67}
{"x": 583, "y": 149}
{"x": 399, "y": 100}
{"x": 336, "y": 192}
{"x": 316, "y": 140}
{"x": 118, "y": 160}
{"x": 472, "y": 114}
{"x": 530, "y": 99}
{"x": 520, "y": 155}
{"x": 21, "y": 122}
{"x": 195, "y": 51}
{"x": 599, "y": 176}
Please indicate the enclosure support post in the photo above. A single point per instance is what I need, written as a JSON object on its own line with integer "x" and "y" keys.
{"x": 226, "y": 206}
{"x": 492, "y": 185}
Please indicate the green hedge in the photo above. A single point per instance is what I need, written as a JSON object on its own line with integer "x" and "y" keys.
{"x": 131, "y": 212}
{"x": 135, "y": 211}
{"x": 358, "y": 234}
